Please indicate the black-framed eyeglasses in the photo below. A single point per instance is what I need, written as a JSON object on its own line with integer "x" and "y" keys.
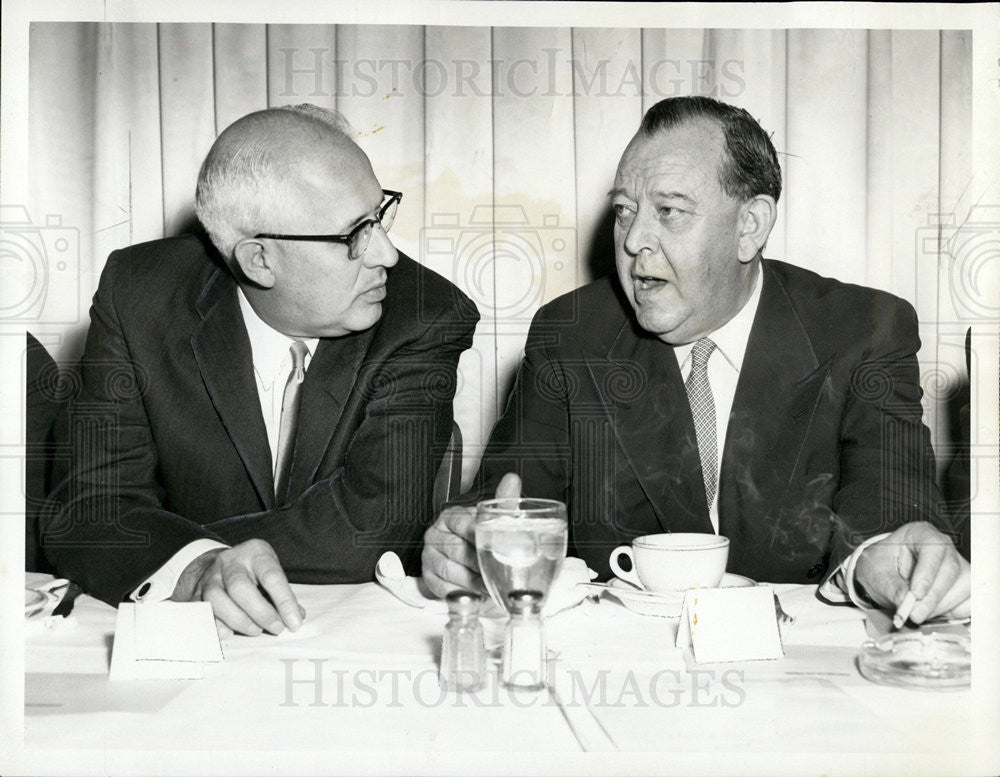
{"x": 357, "y": 239}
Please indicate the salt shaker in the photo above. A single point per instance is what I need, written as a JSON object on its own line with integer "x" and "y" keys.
{"x": 524, "y": 642}
{"x": 463, "y": 652}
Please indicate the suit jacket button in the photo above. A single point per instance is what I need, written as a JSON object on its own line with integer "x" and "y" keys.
{"x": 815, "y": 571}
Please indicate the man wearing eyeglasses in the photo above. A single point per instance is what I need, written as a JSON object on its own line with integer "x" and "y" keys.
{"x": 274, "y": 409}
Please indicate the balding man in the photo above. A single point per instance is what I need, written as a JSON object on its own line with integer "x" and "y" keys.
{"x": 274, "y": 409}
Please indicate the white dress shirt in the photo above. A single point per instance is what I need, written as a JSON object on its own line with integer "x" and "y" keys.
{"x": 272, "y": 363}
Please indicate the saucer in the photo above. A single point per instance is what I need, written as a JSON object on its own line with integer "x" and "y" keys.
{"x": 665, "y": 605}
{"x": 736, "y": 581}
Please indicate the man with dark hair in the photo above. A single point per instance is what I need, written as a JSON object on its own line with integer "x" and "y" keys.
{"x": 749, "y": 163}
{"x": 707, "y": 389}
{"x": 277, "y": 406}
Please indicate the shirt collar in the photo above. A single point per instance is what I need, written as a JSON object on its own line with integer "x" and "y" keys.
{"x": 270, "y": 348}
{"x": 732, "y": 337}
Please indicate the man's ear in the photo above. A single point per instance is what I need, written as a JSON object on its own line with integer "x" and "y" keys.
{"x": 756, "y": 221}
{"x": 255, "y": 261}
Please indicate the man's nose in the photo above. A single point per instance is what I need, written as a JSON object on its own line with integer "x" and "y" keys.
{"x": 381, "y": 252}
{"x": 640, "y": 235}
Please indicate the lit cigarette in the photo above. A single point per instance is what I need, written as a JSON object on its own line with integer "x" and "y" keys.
{"x": 903, "y": 613}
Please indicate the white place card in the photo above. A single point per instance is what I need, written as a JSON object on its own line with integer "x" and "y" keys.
{"x": 164, "y": 641}
{"x": 730, "y": 624}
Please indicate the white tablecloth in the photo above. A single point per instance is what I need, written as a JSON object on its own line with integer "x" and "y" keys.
{"x": 361, "y": 675}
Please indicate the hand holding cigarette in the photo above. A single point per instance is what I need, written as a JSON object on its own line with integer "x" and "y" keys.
{"x": 904, "y": 610}
{"x": 917, "y": 572}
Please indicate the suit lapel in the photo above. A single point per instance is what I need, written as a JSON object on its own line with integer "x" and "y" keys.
{"x": 654, "y": 429}
{"x": 222, "y": 350}
{"x": 331, "y": 377}
{"x": 778, "y": 389}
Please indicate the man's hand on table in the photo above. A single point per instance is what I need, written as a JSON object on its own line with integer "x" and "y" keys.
{"x": 918, "y": 558}
{"x": 449, "y": 557}
{"x": 231, "y": 579}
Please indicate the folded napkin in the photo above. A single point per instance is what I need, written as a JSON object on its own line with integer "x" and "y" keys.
{"x": 564, "y": 594}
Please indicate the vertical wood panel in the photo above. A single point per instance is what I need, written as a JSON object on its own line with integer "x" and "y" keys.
{"x": 673, "y": 64}
{"x": 458, "y": 197}
{"x": 960, "y": 299}
{"x": 302, "y": 65}
{"x": 240, "y": 71}
{"x": 62, "y": 140}
{"x": 187, "y": 117}
{"x": 957, "y": 302}
{"x": 535, "y": 184}
{"x": 878, "y": 181}
{"x": 748, "y": 70}
{"x": 128, "y": 206}
{"x": 914, "y": 148}
{"x": 383, "y": 100}
{"x": 915, "y": 152}
{"x": 608, "y": 107}
{"x": 825, "y": 205}
{"x": 902, "y": 187}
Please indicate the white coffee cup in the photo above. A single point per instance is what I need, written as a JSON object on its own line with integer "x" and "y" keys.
{"x": 673, "y": 562}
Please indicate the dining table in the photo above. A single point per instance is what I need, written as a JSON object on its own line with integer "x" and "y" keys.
{"x": 355, "y": 689}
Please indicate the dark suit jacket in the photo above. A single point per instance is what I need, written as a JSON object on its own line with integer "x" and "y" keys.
{"x": 169, "y": 442}
{"x": 44, "y": 466}
{"x": 825, "y": 444}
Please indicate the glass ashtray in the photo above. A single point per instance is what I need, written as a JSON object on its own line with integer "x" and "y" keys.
{"x": 918, "y": 660}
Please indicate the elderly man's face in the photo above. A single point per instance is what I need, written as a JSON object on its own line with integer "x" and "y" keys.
{"x": 320, "y": 290}
{"x": 677, "y": 233}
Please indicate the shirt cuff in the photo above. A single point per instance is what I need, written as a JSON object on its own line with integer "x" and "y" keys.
{"x": 839, "y": 587}
{"x": 161, "y": 584}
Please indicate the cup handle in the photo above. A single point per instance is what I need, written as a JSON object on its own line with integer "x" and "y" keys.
{"x": 631, "y": 575}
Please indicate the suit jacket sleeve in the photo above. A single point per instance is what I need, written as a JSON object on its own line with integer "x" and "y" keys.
{"x": 886, "y": 459}
{"x": 112, "y": 530}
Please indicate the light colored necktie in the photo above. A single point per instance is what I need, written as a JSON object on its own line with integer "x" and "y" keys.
{"x": 703, "y": 411}
{"x": 289, "y": 416}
